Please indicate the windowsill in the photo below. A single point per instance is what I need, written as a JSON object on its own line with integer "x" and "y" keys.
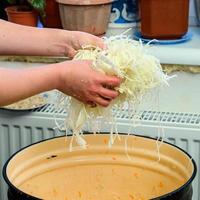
{"x": 187, "y": 53}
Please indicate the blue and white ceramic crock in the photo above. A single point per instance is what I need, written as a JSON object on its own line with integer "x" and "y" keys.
{"x": 124, "y": 11}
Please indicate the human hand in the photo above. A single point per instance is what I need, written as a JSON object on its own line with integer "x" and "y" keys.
{"x": 82, "y": 82}
{"x": 76, "y": 40}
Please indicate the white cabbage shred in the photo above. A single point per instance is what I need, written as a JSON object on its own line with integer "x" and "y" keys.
{"x": 126, "y": 59}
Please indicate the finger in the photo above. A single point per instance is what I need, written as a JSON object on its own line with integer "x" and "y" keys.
{"x": 101, "y": 101}
{"x": 111, "y": 81}
{"x": 100, "y": 43}
{"x": 91, "y": 103}
{"x": 96, "y": 41}
{"x": 107, "y": 93}
{"x": 71, "y": 53}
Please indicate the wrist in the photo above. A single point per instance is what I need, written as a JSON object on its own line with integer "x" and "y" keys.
{"x": 63, "y": 42}
{"x": 63, "y": 71}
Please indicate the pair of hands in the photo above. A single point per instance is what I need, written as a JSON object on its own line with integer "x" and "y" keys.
{"x": 82, "y": 82}
{"x": 75, "y": 78}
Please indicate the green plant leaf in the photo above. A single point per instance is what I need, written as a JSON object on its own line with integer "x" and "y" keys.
{"x": 11, "y": 1}
{"x": 38, "y": 5}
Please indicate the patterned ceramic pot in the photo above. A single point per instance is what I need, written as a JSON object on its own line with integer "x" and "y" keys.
{"x": 124, "y": 11}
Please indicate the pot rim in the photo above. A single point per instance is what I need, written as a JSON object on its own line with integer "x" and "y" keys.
{"x": 84, "y": 2}
{"x": 12, "y": 9}
{"x": 10, "y": 185}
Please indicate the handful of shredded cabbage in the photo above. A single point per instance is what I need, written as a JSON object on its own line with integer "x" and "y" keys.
{"x": 126, "y": 59}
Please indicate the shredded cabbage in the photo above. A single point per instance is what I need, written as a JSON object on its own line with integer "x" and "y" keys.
{"x": 126, "y": 59}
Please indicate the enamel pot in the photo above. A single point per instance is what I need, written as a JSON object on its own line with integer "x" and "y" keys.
{"x": 132, "y": 168}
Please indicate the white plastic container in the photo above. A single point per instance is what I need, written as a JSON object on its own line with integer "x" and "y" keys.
{"x": 124, "y": 28}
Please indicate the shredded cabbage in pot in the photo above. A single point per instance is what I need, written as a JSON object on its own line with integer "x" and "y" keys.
{"x": 126, "y": 59}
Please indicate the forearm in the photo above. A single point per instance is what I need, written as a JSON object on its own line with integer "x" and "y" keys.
{"x": 23, "y": 40}
{"x": 74, "y": 78}
{"x": 18, "y": 84}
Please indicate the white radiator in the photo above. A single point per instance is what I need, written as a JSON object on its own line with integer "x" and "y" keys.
{"x": 19, "y": 129}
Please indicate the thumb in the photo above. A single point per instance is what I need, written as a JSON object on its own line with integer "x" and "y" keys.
{"x": 71, "y": 53}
